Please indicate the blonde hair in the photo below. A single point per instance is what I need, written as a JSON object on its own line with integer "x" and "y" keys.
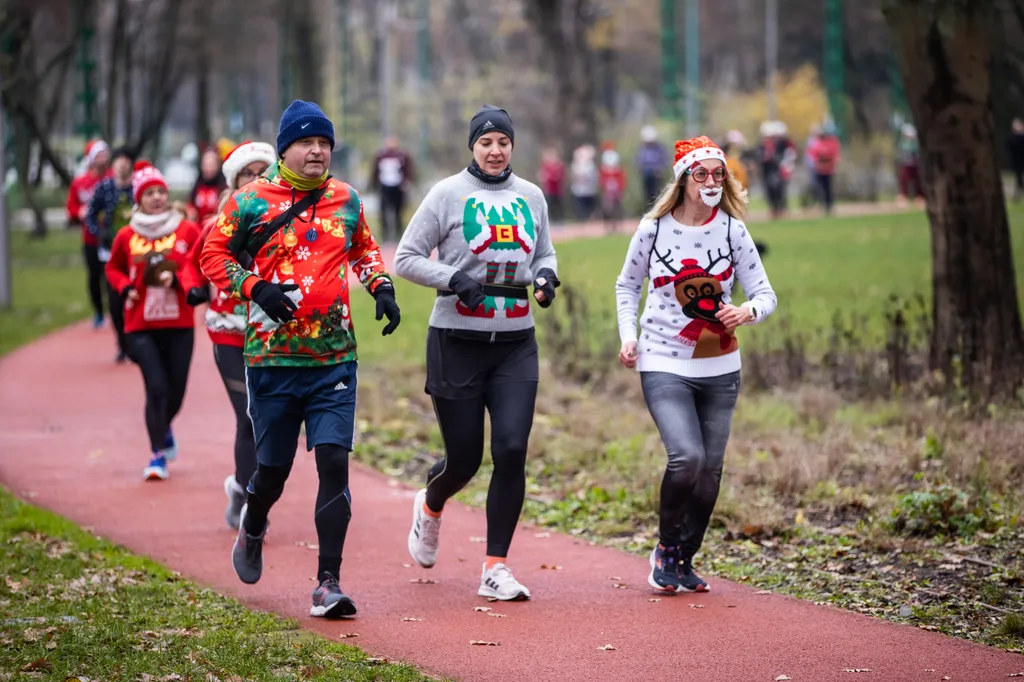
{"x": 734, "y": 199}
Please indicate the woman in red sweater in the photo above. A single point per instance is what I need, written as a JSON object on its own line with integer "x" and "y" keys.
{"x": 150, "y": 267}
{"x": 226, "y": 319}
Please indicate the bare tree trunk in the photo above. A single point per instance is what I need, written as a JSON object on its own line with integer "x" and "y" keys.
{"x": 562, "y": 26}
{"x": 945, "y": 57}
{"x": 117, "y": 47}
{"x": 164, "y": 79}
{"x": 23, "y": 149}
{"x": 52, "y": 111}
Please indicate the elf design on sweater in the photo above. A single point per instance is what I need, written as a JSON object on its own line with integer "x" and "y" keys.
{"x": 314, "y": 252}
{"x": 499, "y": 229}
{"x": 691, "y": 271}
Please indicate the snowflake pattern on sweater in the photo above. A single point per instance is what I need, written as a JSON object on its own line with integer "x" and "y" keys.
{"x": 691, "y": 271}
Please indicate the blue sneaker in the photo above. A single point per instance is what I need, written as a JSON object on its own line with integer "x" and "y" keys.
{"x": 665, "y": 569}
{"x": 157, "y": 469}
{"x": 170, "y": 448}
{"x": 97, "y": 322}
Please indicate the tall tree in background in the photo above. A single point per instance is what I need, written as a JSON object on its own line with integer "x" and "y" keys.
{"x": 945, "y": 53}
{"x": 562, "y": 26}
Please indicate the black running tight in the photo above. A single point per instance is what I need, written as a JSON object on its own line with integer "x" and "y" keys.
{"x": 462, "y": 428}
{"x": 231, "y": 364}
{"x": 164, "y": 356}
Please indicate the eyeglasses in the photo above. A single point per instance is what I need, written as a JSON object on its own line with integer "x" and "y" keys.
{"x": 700, "y": 174}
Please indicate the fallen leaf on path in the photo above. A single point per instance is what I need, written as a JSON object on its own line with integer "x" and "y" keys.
{"x": 378, "y": 660}
{"x": 480, "y": 642}
{"x": 760, "y": 592}
{"x": 496, "y": 615}
{"x": 730, "y": 606}
{"x": 1016, "y": 675}
{"x": 542, "y": 535}
{"x": 406, "y": 565}
{"x": 621, "y": 586}
{"x": 482, "y": 608}
{"x": 409, "y": 619}
{"x": 696, "y": 606}
{"x": 38, "y": 664}
{"x": 930, "y": 628}
{"x": 654, "y": 599}
{"x": 929, "y": 670}
{"x": 347, "y": 635}
{"x": 423, "y": 581}
{"x": 95, "y": 454}
{"x": 477, "y": 538}
{"x": 606, "y": 647}
{"x": 553, "y": 568}
{"x": 615, "y": 577}
{"x": 946, "y": 677}
{"x": 492, "y": 599}
{"x": 307, "y": 545}
{"x": 782, "y": 677}
{"x": 856, "y": 670}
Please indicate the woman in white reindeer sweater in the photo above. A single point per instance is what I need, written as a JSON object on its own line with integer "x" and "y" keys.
{"x": 692, "y": 247}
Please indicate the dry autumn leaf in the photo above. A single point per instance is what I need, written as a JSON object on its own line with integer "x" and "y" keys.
{"x": 482, "y": 608}
{"x": 307, "y": 545}
{"x": 856, "y": 670}
{"x": 496, "y": 615}
{"x": 654, "y": 599}
{"x": 780, "y": 678}
{"x": 615, "y": 578}
{"x": 759, "y": 592}
{"x": 621, "y": 586}
{"x": 477, "y": 538}
{"x": 542, "y": 535}
{"x": 410, "y": 619}
{"x": 423, "y": 581}
{"x": 553, "y": 568}
{"x": 38, "y": 664}
{"x": 378, "y": 660}
{"x": 1016, "y": 675}
{"x": 480, "y": 642}
{"x": 696, "y": 606}
{"x": 348, "y": 635}
{"x": 606, "y": 647}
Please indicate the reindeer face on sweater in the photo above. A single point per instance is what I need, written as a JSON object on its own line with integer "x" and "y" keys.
{"x": 698, "y": 291}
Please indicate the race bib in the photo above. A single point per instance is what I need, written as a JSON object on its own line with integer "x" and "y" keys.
{"x": 161, "y": 304}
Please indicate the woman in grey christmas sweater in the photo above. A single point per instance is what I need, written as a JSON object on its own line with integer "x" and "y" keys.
{"x": 692, "y": 248}
{"x": 490, "y": 229}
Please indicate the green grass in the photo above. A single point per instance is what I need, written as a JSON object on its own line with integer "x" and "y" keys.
{"x": 73, "y": 605}
{"x": 817, "y": 267}
{"x": 49, "y": 287}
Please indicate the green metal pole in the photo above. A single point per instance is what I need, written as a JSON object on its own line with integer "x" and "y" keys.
{"x": 669, "y": 85}
{"x": 424, "y": 59}
{"x": 692, "y": 68}
{"x": 86, "y": 65}
{"x": 835, "y": 65}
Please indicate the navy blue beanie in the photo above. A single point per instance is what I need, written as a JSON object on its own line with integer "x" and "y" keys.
{"x": 303, "y": 119}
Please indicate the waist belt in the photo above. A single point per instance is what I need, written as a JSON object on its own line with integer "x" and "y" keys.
{"x": 505, "y": 290}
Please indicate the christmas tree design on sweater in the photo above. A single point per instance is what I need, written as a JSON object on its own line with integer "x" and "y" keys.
{"x": 500, "y": 230}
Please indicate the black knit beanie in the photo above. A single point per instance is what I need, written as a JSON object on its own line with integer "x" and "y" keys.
{"x": 488, "y": 120}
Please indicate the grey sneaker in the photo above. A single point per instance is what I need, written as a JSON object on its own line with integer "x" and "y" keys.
{"x": 236, "y": 500}
{"x": 247, "y": 554}
{"x": 330, "y": 602}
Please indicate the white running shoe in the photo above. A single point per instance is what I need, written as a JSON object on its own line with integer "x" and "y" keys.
{"x": 499, "y": 583}
{"x": 236, "y": 500}
{"x": 423, "y": 536}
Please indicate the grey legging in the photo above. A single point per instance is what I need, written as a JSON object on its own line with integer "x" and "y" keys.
{"x": 694, "y": 417}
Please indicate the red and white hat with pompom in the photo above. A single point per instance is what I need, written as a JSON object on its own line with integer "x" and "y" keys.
{"x": 695, "y": 150}
{"x": 244, "y": 154}
{"x": 146, "y": 175}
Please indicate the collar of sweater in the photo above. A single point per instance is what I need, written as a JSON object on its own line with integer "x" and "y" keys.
{"x": 154, "y": 227}
{"x": 477, "y": 182}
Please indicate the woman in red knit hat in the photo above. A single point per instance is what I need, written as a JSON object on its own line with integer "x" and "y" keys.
{"x": 693, "y": 248}
{"x": 150, "y": 268}
{"x": 226, "y": 319}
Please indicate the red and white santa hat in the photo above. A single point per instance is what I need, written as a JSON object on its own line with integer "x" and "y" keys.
{"x": 695, "y": 150}
{"x": 244, "y": 154}
{"x": 146, "y": 175}
{"x": 94, "y": 148}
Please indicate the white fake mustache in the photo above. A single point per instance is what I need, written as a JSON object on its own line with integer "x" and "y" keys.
{"x": 711, "y": 197}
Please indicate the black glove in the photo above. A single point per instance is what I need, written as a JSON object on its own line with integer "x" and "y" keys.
{"x": 386, "y": 305}
{"x": 271, "y": 298}
{"x": 197, "y": 295}
{"x": 469, "y": 291}
{"x": 551, "y": 282}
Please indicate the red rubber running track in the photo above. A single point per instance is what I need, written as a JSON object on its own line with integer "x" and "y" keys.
{"x": 72, "y": 440}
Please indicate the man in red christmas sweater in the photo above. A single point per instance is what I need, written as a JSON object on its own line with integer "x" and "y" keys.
{"x": 97, "y": 167}
{"x": 286, "y": 242}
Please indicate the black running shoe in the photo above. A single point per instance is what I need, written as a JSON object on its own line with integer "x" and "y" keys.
{"x": 330, "y": 602}
{"x": 665, "y": 569}
{"x": 690, "y": 581}
{"x": 247, "y": 554}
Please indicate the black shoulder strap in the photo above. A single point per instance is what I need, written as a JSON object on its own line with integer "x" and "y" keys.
{"x": 650, "y": 254}
{"x": 261, "y": 234}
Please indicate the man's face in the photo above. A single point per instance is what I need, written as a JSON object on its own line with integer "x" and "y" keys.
{"x": 308, "y": 156}
{"x": 122, "y": 168}
{"x": 1018, "y": 126}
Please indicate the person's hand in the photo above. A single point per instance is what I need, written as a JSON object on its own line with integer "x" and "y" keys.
{"x": 733, "y": 316}
{"x": 273, "y": 299}
{"x": 166, "y": 279}
{"x": 469, "y": 291}
{"x": 627, "y": 354}
{"x": 129, "y": 293}
{"x": 386, "y": 306}
{"x": 197, "y": 295}
{"x": 544, "y": 286}
{"x": 82, "y": 213}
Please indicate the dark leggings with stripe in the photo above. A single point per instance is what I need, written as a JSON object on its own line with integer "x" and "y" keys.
{"x": 231, "y": 364}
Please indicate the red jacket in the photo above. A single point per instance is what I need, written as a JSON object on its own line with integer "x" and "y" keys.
{"x": 79, "y": 195}
{"x": 613, "y": 182}
{"x": 158, "y": 307}
{"x": 825, "y": 154}
{"x": 227, "y": 315}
